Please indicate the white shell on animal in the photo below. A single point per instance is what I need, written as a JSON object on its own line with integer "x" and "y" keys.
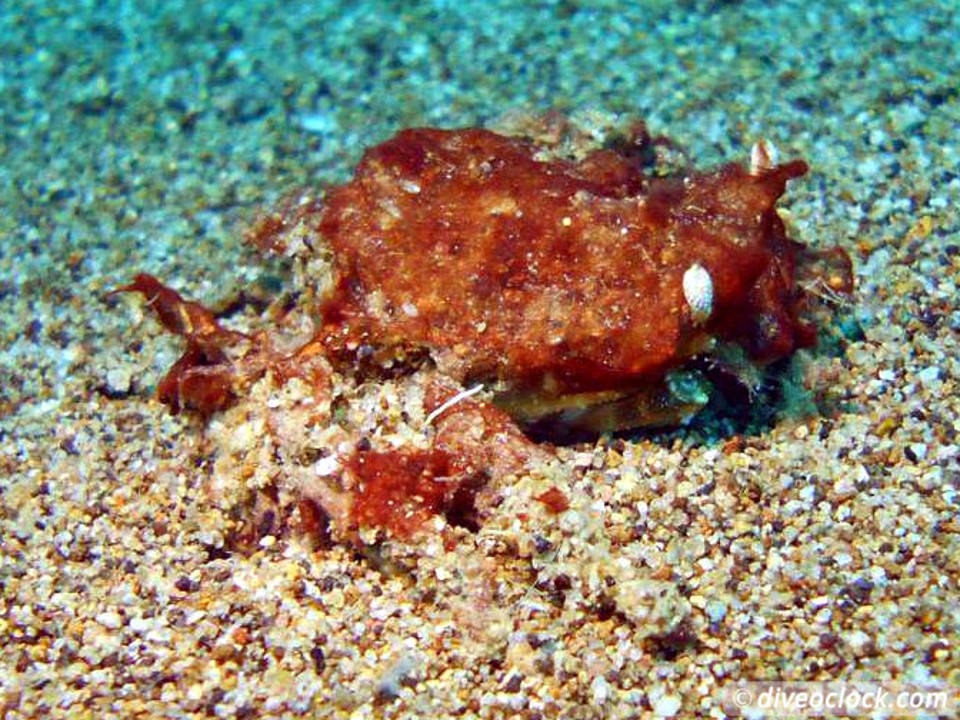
{"x": 698, "y": 292}
{"x": 763, "y": 156}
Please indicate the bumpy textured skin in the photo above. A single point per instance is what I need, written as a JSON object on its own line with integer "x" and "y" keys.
{"x": 551, "y": 276}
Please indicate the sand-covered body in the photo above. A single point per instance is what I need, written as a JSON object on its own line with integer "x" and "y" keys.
{"x": 577, "y": 289}
{"x": 559, "y": 282}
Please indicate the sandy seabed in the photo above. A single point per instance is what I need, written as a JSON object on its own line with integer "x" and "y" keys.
{"x": 818, "y": 548}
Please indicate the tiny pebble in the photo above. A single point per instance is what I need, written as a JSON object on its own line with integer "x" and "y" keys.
{"x": 929, "y": 376}
{"x": 667, "y": 706}
{"x": 109, "y": 620}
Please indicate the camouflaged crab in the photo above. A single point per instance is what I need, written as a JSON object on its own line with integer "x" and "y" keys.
{"x": 576, "y": 282}
{"x": 571, "y": 286}
{"x": 573, "y": 283}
